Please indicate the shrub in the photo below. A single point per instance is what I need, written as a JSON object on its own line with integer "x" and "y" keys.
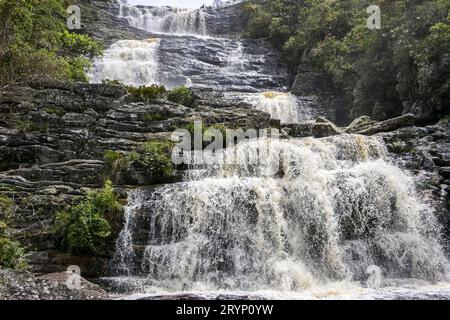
{"x": 155, "y": 158}
{"x": 115, "y": 161}
{"x": 84, "y": 228}
{"x": 181, "y": 95}
{"x": 147, "y": 94}
{"x": 12, "y": 255}
{"x": 6, "y": 208}
{"x": 114, "y": 82}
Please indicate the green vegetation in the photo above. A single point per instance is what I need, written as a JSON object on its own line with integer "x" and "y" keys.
{"x": 154, "y": 117}
{"x": 12, "y": 255}
{"x": 29, "y": 126}
{"x": 6, "y": 209}
{"x": 115, "y": 161}
{"x": 55, "y": 110}
{"x": 400, "y": 147}
{"x": 34, "y": 41}
{"x": 400, "y": 66}
{"x": 85, "y": 227}
{"x": 154, "y": 157}
{"x": 147, "y": 94}
{"x": 219, "y": 126}
{"x": 180, "y": 95}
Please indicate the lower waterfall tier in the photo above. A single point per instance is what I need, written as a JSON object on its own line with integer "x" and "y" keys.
{"x": 308, "y": 212}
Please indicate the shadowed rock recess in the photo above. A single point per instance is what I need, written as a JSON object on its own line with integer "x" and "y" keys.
{"x": 347, "y": 195}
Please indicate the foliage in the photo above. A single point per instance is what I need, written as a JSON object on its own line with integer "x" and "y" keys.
{"x": 115, "y": 161}
{"x": 12, "y": 255}
{"x": 147, "y": 94}
{"x": 29, "y": 126}
{"x": 34, "y": 41}
{"x": 180, "y": 95}
{"x": 400, "y": 66}
{"x": 55, "y": 110}
{"x": 6, "y": 208}
{"x": 85, "y": 228}
{"x": 154, "y": 157}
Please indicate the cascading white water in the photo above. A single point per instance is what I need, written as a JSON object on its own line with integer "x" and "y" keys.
{"x": 305, "y": 213}
{"x": 280, "y": 105}
{"x": 236, "y": 59}
{"x": 132, "y": 62}
{"x": 166, "y": 19}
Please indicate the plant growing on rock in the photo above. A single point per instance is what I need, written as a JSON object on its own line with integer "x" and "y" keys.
{"x": 147, "y": 94}
{"x": 12, "y": 255}
{"x": 115, "y": 161}
{"x": 153, "y": 157}
{"x": 85, "y": 227}
{"x": 181, "y": 95}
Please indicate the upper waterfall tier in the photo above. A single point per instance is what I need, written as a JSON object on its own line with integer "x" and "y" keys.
{"x": 220, "y": 64}
{"x": 172, "y": 20}
{"x": 166, "y": 19}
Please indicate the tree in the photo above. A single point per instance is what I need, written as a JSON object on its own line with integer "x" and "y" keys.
{"x": 34, "y": 41}
{"x": 401, "y": 68}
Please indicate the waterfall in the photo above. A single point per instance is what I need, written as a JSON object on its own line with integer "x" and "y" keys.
{"x": 284, "y": 215}
{"x": 165, "y": 19}
{"x": 280, "y": 105}
{"x": 236, "y": 59}
{"x": 132, "y": 62}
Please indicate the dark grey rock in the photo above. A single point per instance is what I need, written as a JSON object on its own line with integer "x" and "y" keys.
{"x": 23, "y": 285}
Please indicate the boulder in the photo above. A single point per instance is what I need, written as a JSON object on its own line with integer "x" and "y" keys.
{"x": 388, "y": 125}
{"x": 23, "y": 285}
{"x": 311, "y": 129}
{"x": 361, "y": 123}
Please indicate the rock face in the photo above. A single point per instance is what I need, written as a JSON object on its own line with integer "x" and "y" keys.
{"x": 23, "y": 285}
{"x": 54, "y": 136}
{"x": 311, "y": 83}
{"x": 319, "y": 129}
{"x": 437, "y": 73}
{"x": 100, "y": 21}
{"x": 225, "y": 21}
{"x": 425, "y": 151}
{"x": 364, "y": 125}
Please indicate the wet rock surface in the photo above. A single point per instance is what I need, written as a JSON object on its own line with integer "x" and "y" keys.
{"x": 23, "y": 285}
{"x": 54, "y": 136}
{"x": 309, "y": 82}
{"x": 425, "y": 152}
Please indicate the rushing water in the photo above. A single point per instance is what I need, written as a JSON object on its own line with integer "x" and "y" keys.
{"x": 132, "y": 62}
{"x": 308, "y": 215}
{"x": 165, "y": 19}
{"x": 280, "y": 105}
{"x": 180, "y": 52}
{"x": 298, "y": 218}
